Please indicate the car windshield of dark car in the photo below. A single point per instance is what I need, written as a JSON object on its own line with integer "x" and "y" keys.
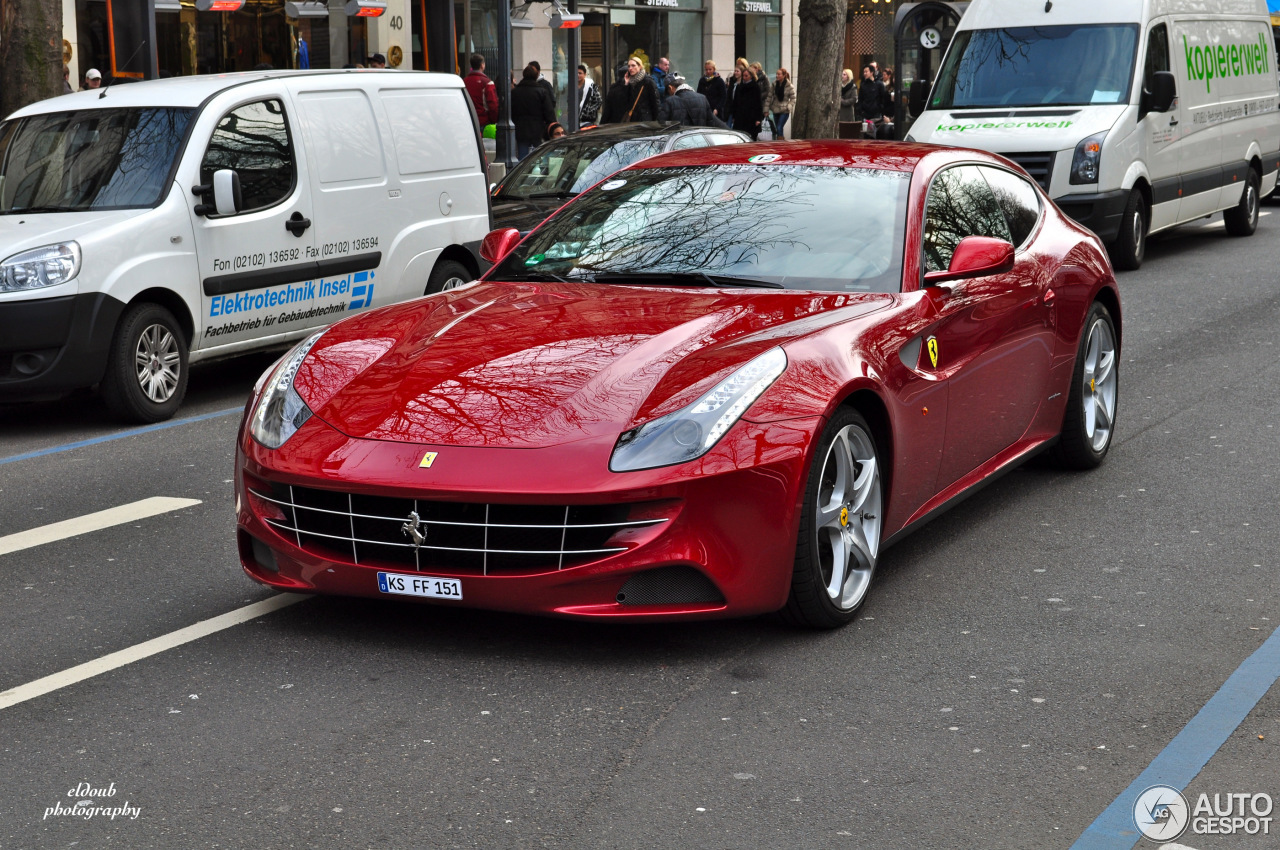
{"x": 92, "y": 159}
{"x": 1037, "y": 66}
{"x": 800, "y": 227}
{"x": 573, "y": 167}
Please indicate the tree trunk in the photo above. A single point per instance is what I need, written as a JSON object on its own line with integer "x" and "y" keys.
{"x": 30, "y": 52}
{"x": 818, "y": 68}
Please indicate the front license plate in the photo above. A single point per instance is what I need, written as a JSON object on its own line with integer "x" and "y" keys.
{"x": 406, "y": 585}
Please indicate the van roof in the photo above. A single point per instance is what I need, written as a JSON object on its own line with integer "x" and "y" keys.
{"x": 195, "y": 90}
{"x": 998, "y": 14}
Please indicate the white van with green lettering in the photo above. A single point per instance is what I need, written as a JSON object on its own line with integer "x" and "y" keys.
{"x": 1134, "y": 115}
{"x": 149, "y": 226}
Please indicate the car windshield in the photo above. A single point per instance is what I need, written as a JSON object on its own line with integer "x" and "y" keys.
{"x": 798, "y": 227}
{"x": 572, "y": 167}
{"x": 1028, "y": 66}
{"x": 92, "y": 159}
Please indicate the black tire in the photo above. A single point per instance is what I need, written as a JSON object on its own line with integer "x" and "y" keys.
{"x": 448, "y": 274}
{"x": 1242, "y": 219}
{"x": 1080, "y": 446}
{"x": 146, "y": 376}
{"x": 811, "y": 603}
{"x": 1130, "y": 246}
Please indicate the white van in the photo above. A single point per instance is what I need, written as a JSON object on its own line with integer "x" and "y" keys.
{"x": 1134, "y": 115}
{"x": 148, "y": 226}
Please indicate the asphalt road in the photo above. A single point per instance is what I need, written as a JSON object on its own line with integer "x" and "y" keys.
{"x": 1019, "y": 663}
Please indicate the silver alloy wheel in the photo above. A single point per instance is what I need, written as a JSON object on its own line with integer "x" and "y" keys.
{"x": 158, "y": 361}
{"x": 849, "y": 516}
{"x": 452, "y": 283}
{"x": 1100, "y": 384}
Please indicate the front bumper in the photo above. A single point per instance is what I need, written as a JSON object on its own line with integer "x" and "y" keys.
{"x": 732, "y": 521}
{"x": 49, "y": 346}
{"x": 1101, "y": 212}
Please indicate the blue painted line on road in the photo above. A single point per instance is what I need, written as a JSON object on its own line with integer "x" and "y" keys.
{"x": 1187, "y": 754}
{"x": 160, "y": 426}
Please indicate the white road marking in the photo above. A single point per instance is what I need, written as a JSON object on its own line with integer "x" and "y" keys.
{"x": 106, "y": 663}
{"x": 92, "y": 522}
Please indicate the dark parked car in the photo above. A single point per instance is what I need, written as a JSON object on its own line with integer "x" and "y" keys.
{"x": 560, "y": 169}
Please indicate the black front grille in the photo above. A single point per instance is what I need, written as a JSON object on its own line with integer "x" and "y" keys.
{"x": 1038, "y": 165}
{"x": 668, "y": 586}
{"x": 469, "y": 537}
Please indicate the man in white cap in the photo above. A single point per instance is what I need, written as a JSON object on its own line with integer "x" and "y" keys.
{"x": 92, "y": 79}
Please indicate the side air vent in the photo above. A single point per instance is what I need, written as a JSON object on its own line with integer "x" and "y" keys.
{"x": 668, "y": 586}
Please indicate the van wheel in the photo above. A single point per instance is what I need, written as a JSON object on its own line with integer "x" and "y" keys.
{"x": 1131, "y": 245}
{"x": 1242, "y": 219}
{"x": 146, "y": 365}
{"x": 447, "y": 275}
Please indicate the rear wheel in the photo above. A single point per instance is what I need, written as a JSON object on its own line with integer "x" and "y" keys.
{"x": 1131, "y": 243}
{"x": 447, "y": 275}
{"x": 839, "y": 541}
{"x": 146, "y": 374}
{"x": 1088, "y": 425}
{"x": 1242, "y": 219}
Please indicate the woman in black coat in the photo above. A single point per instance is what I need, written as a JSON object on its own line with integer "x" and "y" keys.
{"x": 637, "y": 99}
{"x": 712, "y": 87}
{"x": 531, "y": 111}
{"x": 748, "y": 109}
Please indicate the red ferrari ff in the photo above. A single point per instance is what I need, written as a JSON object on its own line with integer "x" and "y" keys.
{"x": 719, "y": 383}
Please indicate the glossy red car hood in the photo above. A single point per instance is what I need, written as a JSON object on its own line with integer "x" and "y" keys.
{"x": 535, "y": 365}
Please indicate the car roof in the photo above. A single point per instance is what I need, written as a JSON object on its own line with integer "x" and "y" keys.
{"x": 624, "y": 132}
{"x": 881, "y": 155}
{"x": 195, "y": 90}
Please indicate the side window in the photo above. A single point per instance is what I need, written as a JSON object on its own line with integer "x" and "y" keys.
{"x": 960, "y": 204}
{"x": 1017, "y": 199}
{"x": 693, "y": 140}
{"x": 1157, "y": 51}
{"x": 254, "y": 141}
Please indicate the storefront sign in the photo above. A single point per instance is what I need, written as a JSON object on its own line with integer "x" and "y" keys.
{"x": 669, "y": 4}
{"x": 768, "y": 7}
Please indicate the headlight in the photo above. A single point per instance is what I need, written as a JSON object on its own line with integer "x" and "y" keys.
{"x": 1088, "y": 159}
{"x": 40, "y": 267}
{"x": 281, "y": 411}
{"x": 690, "y": 433}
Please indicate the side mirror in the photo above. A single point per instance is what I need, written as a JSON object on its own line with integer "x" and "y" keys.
{"x": 975, "y": 256}
{"x": 498, "y": 244}
{"x": 1163, "y": 89}
{"x": 917, "y": 97}
{"x": 226, "y": 192}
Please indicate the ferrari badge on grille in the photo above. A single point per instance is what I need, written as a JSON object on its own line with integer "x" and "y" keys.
{"x": 427, "y": 459}
{"x": 415, "y": 529}
{"x": 933, "y": 351}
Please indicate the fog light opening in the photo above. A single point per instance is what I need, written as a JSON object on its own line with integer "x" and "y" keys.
{"x": 264, "y": 556}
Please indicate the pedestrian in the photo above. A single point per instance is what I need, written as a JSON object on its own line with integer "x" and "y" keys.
{"x": 484, "y": 94}
{"x": 781, "y": 101}
{"x": 377, "y": 60}
{"x": 555, "y": 130}
{"x": 638, "y": 101}
{"x": 531, "y": 111}
{"x": 685, "y": 105}
{"x": 762, "y": 80}
{"x": 543, "y": 81}
{"x": 748, "y": 108}
{"x": 848, "y": 95}
{"x": 871, "y": 100}
{"x": 890, "y": 103}
{"x": 730, "y": 87}
{"x": 712, "y": 87}
{"x": 66, "y": 80}
{"x": 588, "y": 100}
{"x": 92, "y": 79}
{"x": 658, "y": 73}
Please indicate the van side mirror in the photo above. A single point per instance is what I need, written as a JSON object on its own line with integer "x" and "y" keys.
{"x": 917, "y": 97}
{"x": 226, "y": 192}
{"x": 498, "y": 244}
{"x": 975, "y": 256}
{"x": 1163, "y": 88}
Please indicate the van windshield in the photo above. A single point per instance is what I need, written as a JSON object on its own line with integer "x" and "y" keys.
{"x": 1037, "y": 66}
{"x": 91, "y": 159}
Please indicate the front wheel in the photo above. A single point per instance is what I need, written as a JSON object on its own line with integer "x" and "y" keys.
{"x": 839, "y": 540}
{"x": 1130, "y": 246}
{"x": 1088, "y": 425}
{"x": 1242, "y": 219}
{"x": 447, "y": 275}
{"x": 146, "y": 376}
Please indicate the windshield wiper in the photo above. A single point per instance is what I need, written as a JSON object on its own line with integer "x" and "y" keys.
{"x": 682, "y": 279}
{"x": 527, "y": 276}
{"x": 43, "y": 209}
{"x": 560, "y": 194}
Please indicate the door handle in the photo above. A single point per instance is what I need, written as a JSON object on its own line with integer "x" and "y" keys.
{"x": 1173, "y": 122}
{"x": 296, "y": 224}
